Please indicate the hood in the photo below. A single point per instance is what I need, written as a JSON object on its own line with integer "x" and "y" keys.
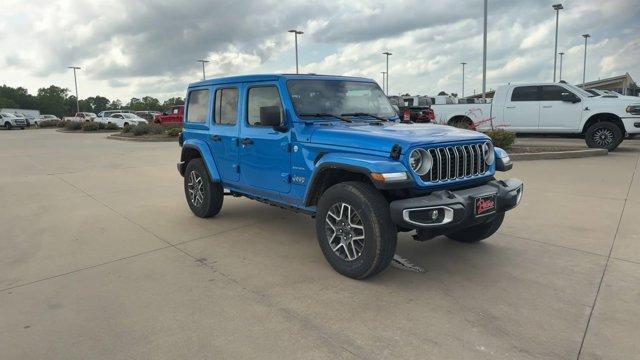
{"x": 383, "y": 137}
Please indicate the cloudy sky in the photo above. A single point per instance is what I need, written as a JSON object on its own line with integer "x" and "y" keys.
{"x": 132, "y": 48}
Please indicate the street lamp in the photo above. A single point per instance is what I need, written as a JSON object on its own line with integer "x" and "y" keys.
{"x": 295, "y": 34}
{"x": 560, "y": 75}
{"x": 387, "y": 54}
{"x": 384, "y": 74}
{"x": 463, "y": 64}
{"x": 584, "y": 66}
{"x": 484, "y": 52}
{"x": 557, "y": 8}
{"x": 203, "y": 62}
{"x": 75, "y": 81}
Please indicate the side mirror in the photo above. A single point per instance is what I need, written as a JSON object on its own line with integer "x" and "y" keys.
{"x": 270, "y": 116}
{"x": 569, "y": 97}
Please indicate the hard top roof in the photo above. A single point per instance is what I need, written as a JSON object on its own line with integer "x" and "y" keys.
{"x": 274, "y": 77}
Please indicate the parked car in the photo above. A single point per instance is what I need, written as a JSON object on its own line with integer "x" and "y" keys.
{"x": 10, "y": 121}
{"x": 81, "y": 116}
{"x": 331, "y": 147}
{"x": 147, "y": 115}
{"x": 27, "y": 114}
{"x": 122, "y": 119}
{"x": 107, "y": 113}
{"x": 45, "y": 117}
{"x": 550, "y": 108}
{"x": 172, "y": 116}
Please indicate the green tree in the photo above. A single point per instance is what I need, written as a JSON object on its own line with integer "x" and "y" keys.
{"x": 53, "y": 100}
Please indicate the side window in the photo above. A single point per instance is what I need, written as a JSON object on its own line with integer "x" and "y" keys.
{"x": 525, "y": 93}
{"x": 226, "y": 109}
{"x": 264, "y": 106}
{"x": 198, "y": 107}
{"x": 553, "y": 92}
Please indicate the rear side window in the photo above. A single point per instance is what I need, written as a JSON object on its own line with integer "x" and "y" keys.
{"x": 198, "y": 108}
{"x": 226, "y": 109}
{"x": 553, "y": 92}
{"x": 525, "y": 93}
{"x": 263, "y": 101}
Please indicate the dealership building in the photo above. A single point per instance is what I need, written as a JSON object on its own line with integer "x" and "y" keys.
{"x": 622, "y": 84}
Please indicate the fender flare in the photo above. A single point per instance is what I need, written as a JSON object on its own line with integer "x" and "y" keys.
{"x": 202, "y": 148}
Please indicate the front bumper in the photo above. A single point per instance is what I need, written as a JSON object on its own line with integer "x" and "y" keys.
{"x": 631, "y": 124}
{"x": 456, "y": 209}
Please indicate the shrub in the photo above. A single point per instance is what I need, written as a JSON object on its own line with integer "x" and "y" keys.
{"x": 101, "y": 126}
{"x": 62, "y": 123}
{"x": 502, "y": 138}
{"x": 140, "y": 129}
{"x": 48, "y": 123}
{"x": 173, "y": 131}
{"x": 156, "y": 129}
{"x": 73, "y": 125}
{"x": 90, "y": 126}
{"x": 111, "y": 126}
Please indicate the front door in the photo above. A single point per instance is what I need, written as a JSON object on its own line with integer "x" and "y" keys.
{"x": 223, "y": 137}
{"x": 265, "y": 160}
{"x": 558, "y": 115}
{"x": 522, "y": 109}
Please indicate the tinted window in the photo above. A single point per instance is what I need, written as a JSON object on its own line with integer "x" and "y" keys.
{"x": 262, "y": 100}
{"x": 198, "y": 108}
{"x": 226, "y": 110}
{"x": 553, "y": 92}
{"x": 525, "y": 93}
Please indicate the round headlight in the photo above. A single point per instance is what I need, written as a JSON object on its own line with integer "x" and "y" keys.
{"x": 489, "y": 153}
{"x": 420, "y": 161}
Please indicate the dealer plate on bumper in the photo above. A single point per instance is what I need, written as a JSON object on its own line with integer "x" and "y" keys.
{"x": 485, "y": 205}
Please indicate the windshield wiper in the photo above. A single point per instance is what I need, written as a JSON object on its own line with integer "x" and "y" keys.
{"x": 365, "y": 114}
{"x": 321, "y": 115}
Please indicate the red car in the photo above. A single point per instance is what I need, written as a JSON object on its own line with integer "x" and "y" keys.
{"x": 171, "y": 116}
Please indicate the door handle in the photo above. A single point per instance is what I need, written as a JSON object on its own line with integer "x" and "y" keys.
{"x": 246, "y": 141}
{"x": 510, "y": 107}
{"x": 216, "y": 137}
{"x": 547, "y": 106}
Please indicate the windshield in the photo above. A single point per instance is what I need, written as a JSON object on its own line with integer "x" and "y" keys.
{"x": 129, "y": 116}
{"x": 579, "y": 91}
{"x": 338, "y": 97}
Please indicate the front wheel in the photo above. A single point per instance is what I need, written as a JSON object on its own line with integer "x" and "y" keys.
{"x": 354, "y": 229}
{"x": 478, "y": 232}
{"x": 7, "y": 125}
{"x": 604, "y": 135}
{"x": 203, "y": 196}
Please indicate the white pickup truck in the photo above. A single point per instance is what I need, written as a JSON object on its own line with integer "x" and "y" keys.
{"x": 550, "y": 108}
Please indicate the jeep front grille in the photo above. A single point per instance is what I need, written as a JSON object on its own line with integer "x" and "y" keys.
{"x": 455, "y": 162}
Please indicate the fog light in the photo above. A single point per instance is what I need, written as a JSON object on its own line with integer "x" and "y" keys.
{"x": 431, "y": 216}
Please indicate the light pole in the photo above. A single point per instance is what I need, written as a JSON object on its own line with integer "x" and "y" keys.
{"x": 75, "y": 81}
{"x": 204, "y": 77}
{"x": 295, "y": 35}
{"x": 384, "y": 74}
{"x": 557, "y": 8}
{"x": 463, "y": 64}
{"x": 484, "y": 52}
{"x": 560, "y": 74}
{"x": 584, "y": 66}
{"x": 387, "y": 54}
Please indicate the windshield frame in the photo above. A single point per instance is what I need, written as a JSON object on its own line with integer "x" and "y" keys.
{"x": 580, "y": 91}
{"x": 392, "y": 116}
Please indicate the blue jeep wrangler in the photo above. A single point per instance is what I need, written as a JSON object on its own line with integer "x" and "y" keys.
{"x": 332, "y": 147}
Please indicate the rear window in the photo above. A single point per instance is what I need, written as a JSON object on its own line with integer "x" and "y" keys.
{"x": 525, "y": 93}
{"x": 198, "y": 108}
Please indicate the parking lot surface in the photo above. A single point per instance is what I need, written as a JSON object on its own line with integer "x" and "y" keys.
{"x": 100, "y": 257}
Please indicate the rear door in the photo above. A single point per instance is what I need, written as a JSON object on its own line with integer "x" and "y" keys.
{"x": 224, "y": 129}
{"x": 521, "y": 110}
{"x": 558, "y": 115}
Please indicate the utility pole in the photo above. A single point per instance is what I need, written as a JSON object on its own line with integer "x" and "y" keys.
{"x": 560, "y": 75}
{"x": 584, "y": 66}
{"x": 557, "y": 8}
{"x": 204, "y": 77}
{"x": 484, "y": 53}
{"x": 384, "y": 74}
{"x": 387, "y": 87}
{"x": 463, "y": 64}
{"x": 75, "y": 81}
{"x": 295, "y": 35}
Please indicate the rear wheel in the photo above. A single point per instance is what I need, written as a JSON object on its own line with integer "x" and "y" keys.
{"x": 478, "y": 232}
{"x": 604, "y": 135}
{"x": 203, "y": 196}
{"x": 354, "y": 229}
{"x": 7, "y": 125}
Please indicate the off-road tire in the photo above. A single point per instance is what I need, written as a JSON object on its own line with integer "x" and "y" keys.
{"x": 7, "y": 125}
{"x": 380, "y": 235}
{"x": 604, "y": 127}
{"x": 478, "y": 232}
{"x": 212, "y": 193}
